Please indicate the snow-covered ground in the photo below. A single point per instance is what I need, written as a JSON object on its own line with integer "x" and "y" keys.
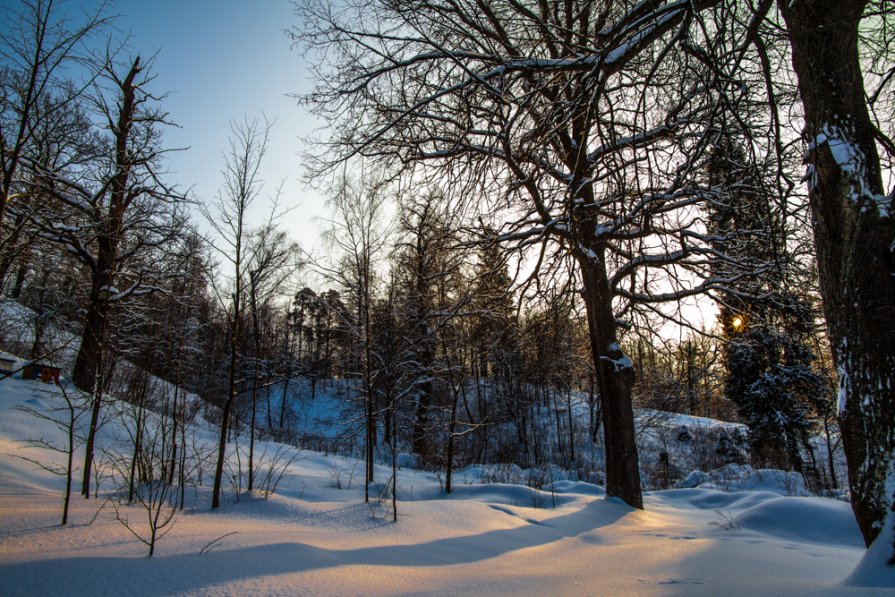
{"x": 312, "y": 538}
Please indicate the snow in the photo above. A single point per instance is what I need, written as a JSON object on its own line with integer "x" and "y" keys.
{"x": 875, "y": 569}
{"x": 852, "y": 162}
{"x": 622, "y": 50}
{"x": 842, "y": 394}
{"x": 312, "y": 538}
{"x": 739, "y": 477}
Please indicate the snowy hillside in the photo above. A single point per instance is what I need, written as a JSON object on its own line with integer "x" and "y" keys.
{"x": 313, "y": 538}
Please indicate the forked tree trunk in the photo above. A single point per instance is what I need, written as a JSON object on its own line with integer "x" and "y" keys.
{"x": 111, "y": 224}
{"x": 853, "y": 232}
{"x": 615, "y": 379}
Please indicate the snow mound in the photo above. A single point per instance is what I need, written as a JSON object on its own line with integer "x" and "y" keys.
{"x": 507, "y": 494}
{"x": 797, "y": 519}
{"x": 874, "y": 569}
{"x": 738, "y": 477}
{"x": 579, "y": 487}
{"x": 713, "y": 499}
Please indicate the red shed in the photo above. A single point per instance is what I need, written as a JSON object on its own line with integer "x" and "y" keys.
{"x": 45, "y": 372}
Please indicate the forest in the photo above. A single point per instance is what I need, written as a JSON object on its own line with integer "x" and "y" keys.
{"x": 560, "y": 235}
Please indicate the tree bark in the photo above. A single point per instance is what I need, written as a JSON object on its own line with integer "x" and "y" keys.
{"x": 87, "y": 360}
{"x": 853, "y": 234}
{"x": 615, "y": 379}
{"x": 256, "y": 337}
{"x": 228, "y": 404}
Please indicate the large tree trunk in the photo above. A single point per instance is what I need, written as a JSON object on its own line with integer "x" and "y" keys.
{"x": 92, "y": 340}
{"x": 110, "y": 223}
{"x": 88, "y": 373}
{"x": 615, "y": 378}
{"x": 853, "y": 233}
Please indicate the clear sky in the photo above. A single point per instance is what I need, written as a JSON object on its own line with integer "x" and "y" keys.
{"x": 220, "y": 60}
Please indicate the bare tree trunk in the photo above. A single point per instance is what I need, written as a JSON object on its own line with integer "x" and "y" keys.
{"x": 571, "y": 426}
{"x": 138, "y": 438}
{"x": 831, "y": 462}
{"x": 225, "y": 417}
{"x": 87, "y": 360}
{"x": 96, "y": 392}
{"x": 369, "y": 415}
{"x": 251, "y": 482}
{"x": 853, "y": 232}
{"x": 393, "y": 440}
{"x": 283, "y": 400}
{"x": 452, "y": 425}
{"x": 68, "y": 472}
{"x": 615, "y": 379}
{"x": 256, "y": 336}
{"x": 421, "y": 423}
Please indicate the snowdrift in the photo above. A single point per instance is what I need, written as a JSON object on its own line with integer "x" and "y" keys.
{"x": 313, "y": 537}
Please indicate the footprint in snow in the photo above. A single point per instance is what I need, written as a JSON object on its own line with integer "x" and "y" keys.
{"x": 682, "y": 581}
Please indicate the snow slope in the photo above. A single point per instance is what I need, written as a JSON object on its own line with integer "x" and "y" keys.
{"x": 311, "y": 538}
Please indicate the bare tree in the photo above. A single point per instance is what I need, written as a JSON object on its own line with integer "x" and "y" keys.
{"x": 66, "y": 418}
{"x": 228, "y": 218}
{"x": 111, "y": 210}
{"x": 39, "y": 41}
{"x": 359, "y": 240}
{"x": 581, "y": 123}
{"x": 145, "y": 475}
{"x": 273, "y": 261}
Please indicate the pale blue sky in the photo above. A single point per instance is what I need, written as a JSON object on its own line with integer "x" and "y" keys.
{"x": 222, "y": 59}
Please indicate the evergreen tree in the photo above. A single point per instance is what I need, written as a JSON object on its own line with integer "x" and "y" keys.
{"x": 766, "y": 325}
{"x": 427, "y": 272}
{"x": 492, "y": 308}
